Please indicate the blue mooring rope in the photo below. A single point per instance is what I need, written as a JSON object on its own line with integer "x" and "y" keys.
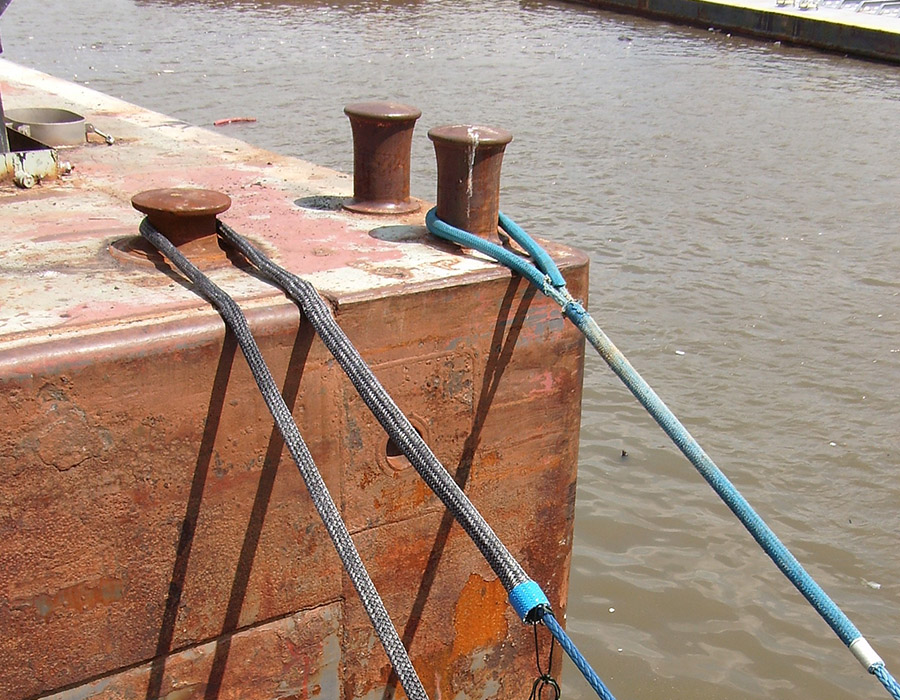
{"x": 531, "y": 604}
{"x": 569, "y": 646}
{"x": 544, "y": 275}
{"x": 887, "y": 680}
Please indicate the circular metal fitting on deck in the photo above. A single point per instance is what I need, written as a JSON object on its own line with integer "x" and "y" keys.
{"x": 468, "y": 173}
{"x": 184, "y": 215}
{"x": 382, "y": 142}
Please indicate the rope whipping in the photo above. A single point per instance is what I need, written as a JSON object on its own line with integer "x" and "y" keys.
{"x": 544, "y": 274}
{"x": 236, "y": 322}
{"x": 392, "y": 419}
{"x": 526, "y": 596}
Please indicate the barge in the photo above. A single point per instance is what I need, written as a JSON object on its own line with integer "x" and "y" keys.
{"x": 157, "y": 541}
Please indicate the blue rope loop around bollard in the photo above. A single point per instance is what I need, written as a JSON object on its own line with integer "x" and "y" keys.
{"x": 539, "y": 273}
{"x": 542, "y": 259}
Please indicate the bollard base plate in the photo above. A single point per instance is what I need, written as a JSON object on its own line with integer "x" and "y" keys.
{"x": 383, "y": 208}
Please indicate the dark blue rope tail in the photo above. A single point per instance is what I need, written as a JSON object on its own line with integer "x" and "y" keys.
{"x": 569, "y": 646}
{"x": 887, "y": 680}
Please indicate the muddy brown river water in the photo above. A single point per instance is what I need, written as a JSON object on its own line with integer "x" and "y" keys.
{"x": 740, "y": 202}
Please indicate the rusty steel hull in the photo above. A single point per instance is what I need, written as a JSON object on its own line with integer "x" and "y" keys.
{"x": 156, "y": 539}
{"x": 148, "y": 506}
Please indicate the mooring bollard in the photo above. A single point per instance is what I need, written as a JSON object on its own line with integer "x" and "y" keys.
{"x": 382, "y": 141}
{"x": 468, "y": 173}
{"x": 184, "y": 215}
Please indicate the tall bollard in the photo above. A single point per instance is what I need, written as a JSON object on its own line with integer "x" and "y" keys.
{"x": 468, "y": 167}
{"x": 382, "y": 141}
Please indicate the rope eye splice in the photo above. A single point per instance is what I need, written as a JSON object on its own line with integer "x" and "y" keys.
{"x": 543, "y": 273}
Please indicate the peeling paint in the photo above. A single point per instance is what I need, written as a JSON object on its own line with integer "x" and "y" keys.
{"x": 80, "y": 596}
{"x": 480, "y": 616}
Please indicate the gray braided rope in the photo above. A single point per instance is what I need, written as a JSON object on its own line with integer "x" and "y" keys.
{"x": 392, "y": 419}
{"x": 234, "y": 318}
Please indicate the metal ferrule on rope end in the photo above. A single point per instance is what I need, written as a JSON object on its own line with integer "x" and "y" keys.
{"x": 865, "y": 654}
{"x": 529, "y": 601}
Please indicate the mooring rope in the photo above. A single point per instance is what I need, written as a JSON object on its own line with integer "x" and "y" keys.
{"x": 527, "y": 598}
{"x": 236, "y": 322}
{"x": 544, "y": 274}
{"x": 392, "y": 419}
{"x": 578, "y": 659}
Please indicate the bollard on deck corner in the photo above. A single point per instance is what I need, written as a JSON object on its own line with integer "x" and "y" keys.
{"x": 468, "y": 166}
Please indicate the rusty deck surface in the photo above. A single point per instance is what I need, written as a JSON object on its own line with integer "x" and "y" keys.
{"x": 155, "y": 543}
{"x": 58, "y": 279}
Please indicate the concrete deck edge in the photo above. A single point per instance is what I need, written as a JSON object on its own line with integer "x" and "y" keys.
{"x": 794, "y": 26}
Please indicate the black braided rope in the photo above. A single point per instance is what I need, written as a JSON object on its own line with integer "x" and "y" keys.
{"x": 234, "y": 318}
{"x": 392, "y": 419}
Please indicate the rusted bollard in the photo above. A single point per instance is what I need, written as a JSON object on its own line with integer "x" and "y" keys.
{"x": 382, "y": 141}
{"x": 468, "y": 172}
{"x": 184, "y": 215}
